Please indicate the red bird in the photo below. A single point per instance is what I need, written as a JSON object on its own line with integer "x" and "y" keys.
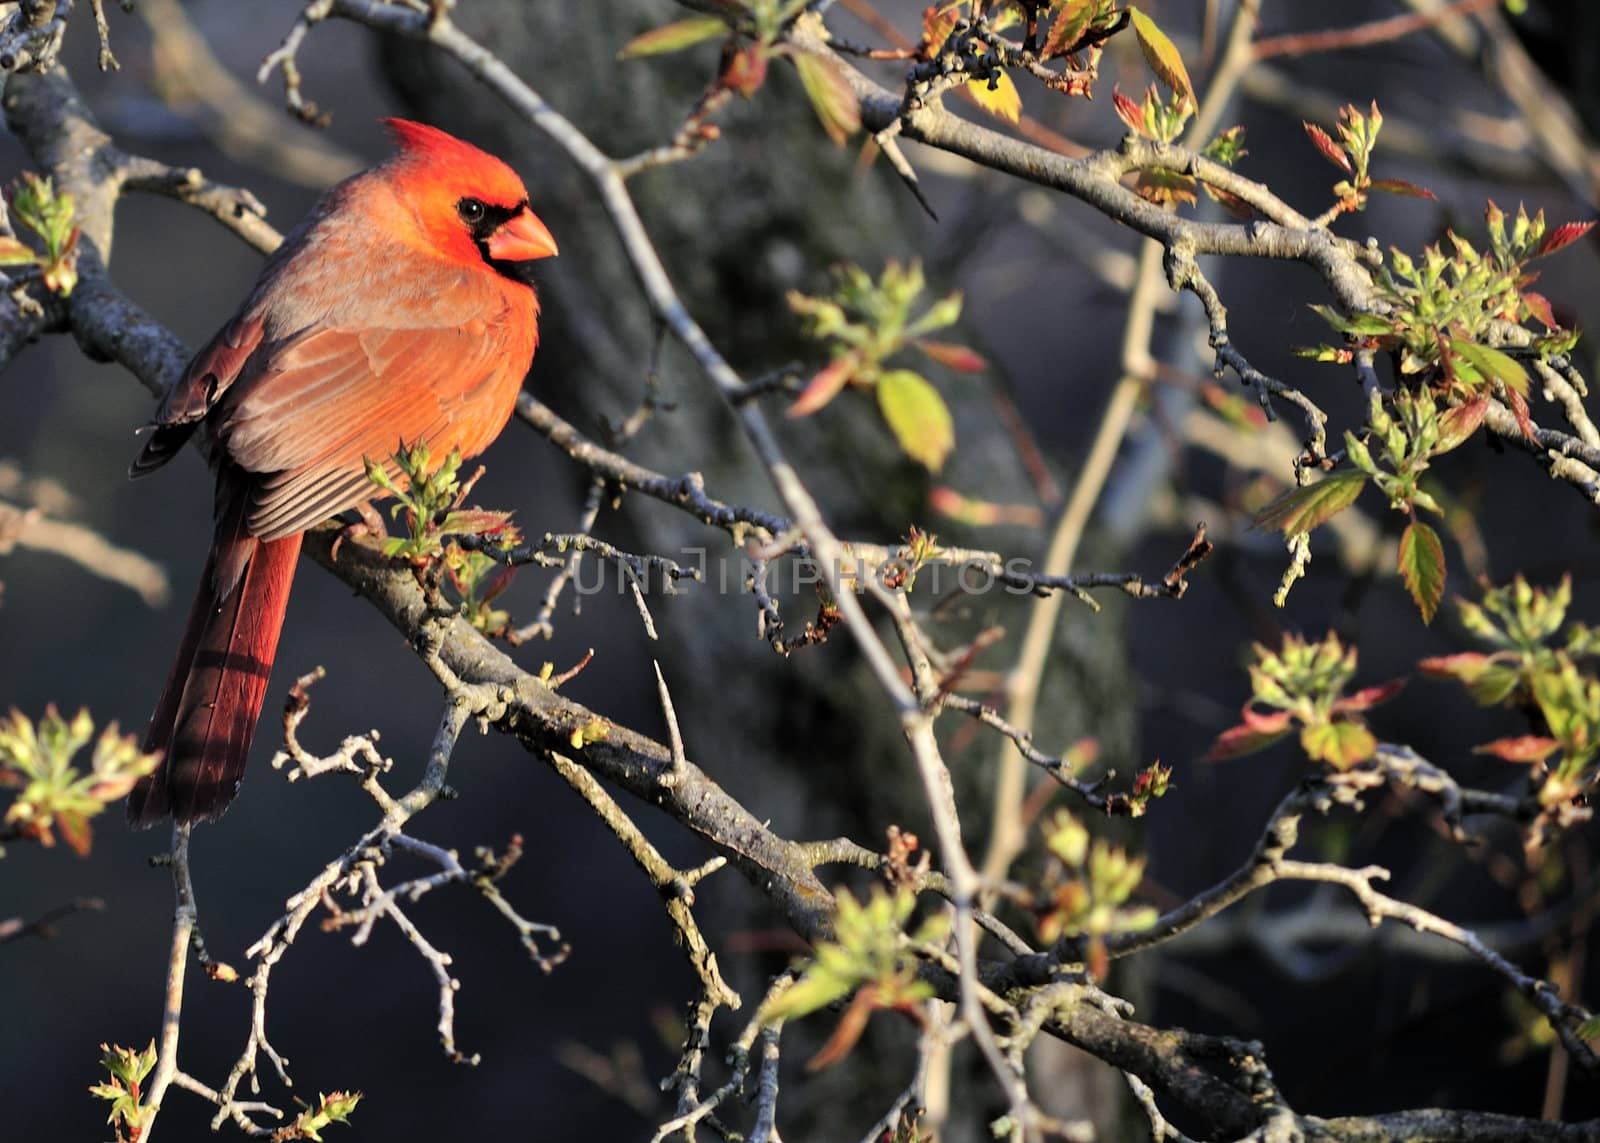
{"x": 398, "y": 311}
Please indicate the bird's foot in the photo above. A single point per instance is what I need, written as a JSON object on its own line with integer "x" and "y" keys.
{"x": 370, "y": 524}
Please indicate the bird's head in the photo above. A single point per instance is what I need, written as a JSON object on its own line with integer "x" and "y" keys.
{"x": 468, "y": 203}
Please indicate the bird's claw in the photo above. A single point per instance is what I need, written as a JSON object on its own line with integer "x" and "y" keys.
{"x": 371, "y": 524}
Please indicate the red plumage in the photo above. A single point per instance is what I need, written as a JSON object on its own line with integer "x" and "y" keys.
{"x": 397, "y": 311}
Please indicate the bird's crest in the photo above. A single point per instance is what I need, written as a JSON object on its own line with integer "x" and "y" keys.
{"x": 420, "y": 139}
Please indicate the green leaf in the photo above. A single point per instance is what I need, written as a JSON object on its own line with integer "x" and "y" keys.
{"x": 1422, "y": 567}
{"x": 1493, "y": 363}
{"x": 330, "y": 1109}
{"x": 812, "y": 991}
{"x": 14, "y": 253}
{"x": 1071, "y": 21}
{"x": 1323, "y": 353}
{"x": 918, "y": 417}
{"x": 674, "y": 37}
{"x": 1227, "y": 148}
{"x": 1488, "y": 680}
{"x": 831, "y": 95}
{"x": 1357, "y": 325}
{"x": 1162, "y": 56}
{"x": 1340, "y": 744}
{"x": 1301, "y": 509}
{"x": 54, "y": 793}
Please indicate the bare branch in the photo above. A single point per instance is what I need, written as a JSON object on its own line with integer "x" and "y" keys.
{"x": 32, "y": 529}
{"x": 44, "y": 925}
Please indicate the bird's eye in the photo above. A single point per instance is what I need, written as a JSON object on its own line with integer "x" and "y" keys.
{"x": 471, "y": 211}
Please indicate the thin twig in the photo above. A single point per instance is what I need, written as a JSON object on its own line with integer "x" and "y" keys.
{"x": 1365, "y": 35}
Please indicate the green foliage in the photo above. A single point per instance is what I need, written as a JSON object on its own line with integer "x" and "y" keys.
{"x": 866, "y": 322}
{"x": 55, "y": 794}
{"x": 869, "y": 956}
{"x": 920, "y": 547}
{"x": 1351, "y": 152}
{"x": 749, "y": 30}
{"x": 832, "y": 98}
{"x": 1227, "y": 148}
{"x": 1442, "y": 311}
{"x": 124, "y": 1090}
{"x": 1538, "y": 662}
{"x": 431, "y": 501}
{"x": 1163, "y": 120}
{"x": 1447, "y": 319}
{"x": 130, "y": 1117}
{"x": 1085, "y": 888}
{"x": 1075, "y": 21}
{"x": 759, "y": 20}
{"x": 1403, "y": 434}
{"x": 35, "y": 203}
{"x": 1440, "y": 314}
{"x": 868, "y": 949}
{"x": 1422, "y": 567}
{"x": 1153, "y": 782}
{"x": 1162, "y": 57}
{"x": 330, "y": 1109}
{"x": 674, "y": 37}
{"x": 1070, "y": 31}
{"x": 1301, "y": 509}
{"x": 1302, "y": 684}
{"x": 917, "y": 415}
{"x": 1405, "y": 431}
{"x": 1440, "y": 302}
{"x": 1155, "y": 118}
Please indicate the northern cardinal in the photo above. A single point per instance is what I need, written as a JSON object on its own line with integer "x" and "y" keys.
{"x": 399, "y": 310}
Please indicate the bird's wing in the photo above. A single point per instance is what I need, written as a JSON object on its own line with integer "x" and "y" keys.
{"x": 213, "y": 369}
{"x": 304, "y": 423}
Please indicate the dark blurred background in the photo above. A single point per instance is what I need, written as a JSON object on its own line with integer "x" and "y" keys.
{"x": 1374, "y": 1028}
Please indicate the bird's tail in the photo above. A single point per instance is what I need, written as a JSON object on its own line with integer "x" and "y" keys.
{"x": 207, "y": 714}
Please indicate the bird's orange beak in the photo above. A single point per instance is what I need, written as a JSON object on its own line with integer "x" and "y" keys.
{"x": 521, "y": 238}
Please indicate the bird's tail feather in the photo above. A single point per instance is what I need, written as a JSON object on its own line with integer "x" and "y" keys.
{"x": 207, "y": 714}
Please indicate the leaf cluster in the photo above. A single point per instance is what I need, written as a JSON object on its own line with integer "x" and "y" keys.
{"x": 1302, "y": 684}
{"x": 1085, "y": 888}
{"x": 1351, "y": 152}
{"x": 1442, "y": 314}
{"x": 1543, "y": 666}
{"x": 431, "y": 501}
{"x": 750, "y": 31}
{"x": 866, "y": 322}
{"x": 124, "y": 1090}
{"x": 37, "y": 759}
{"x": 963, "y": 38}
{"x": 1444, "y": 310}
{"x": 1439, "y": 315}
{"x": 33, "y": 201}
{"x": 335, "y": 1107}
{"x": 872, "y": 957}
{"x": 1151, "y": 783}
